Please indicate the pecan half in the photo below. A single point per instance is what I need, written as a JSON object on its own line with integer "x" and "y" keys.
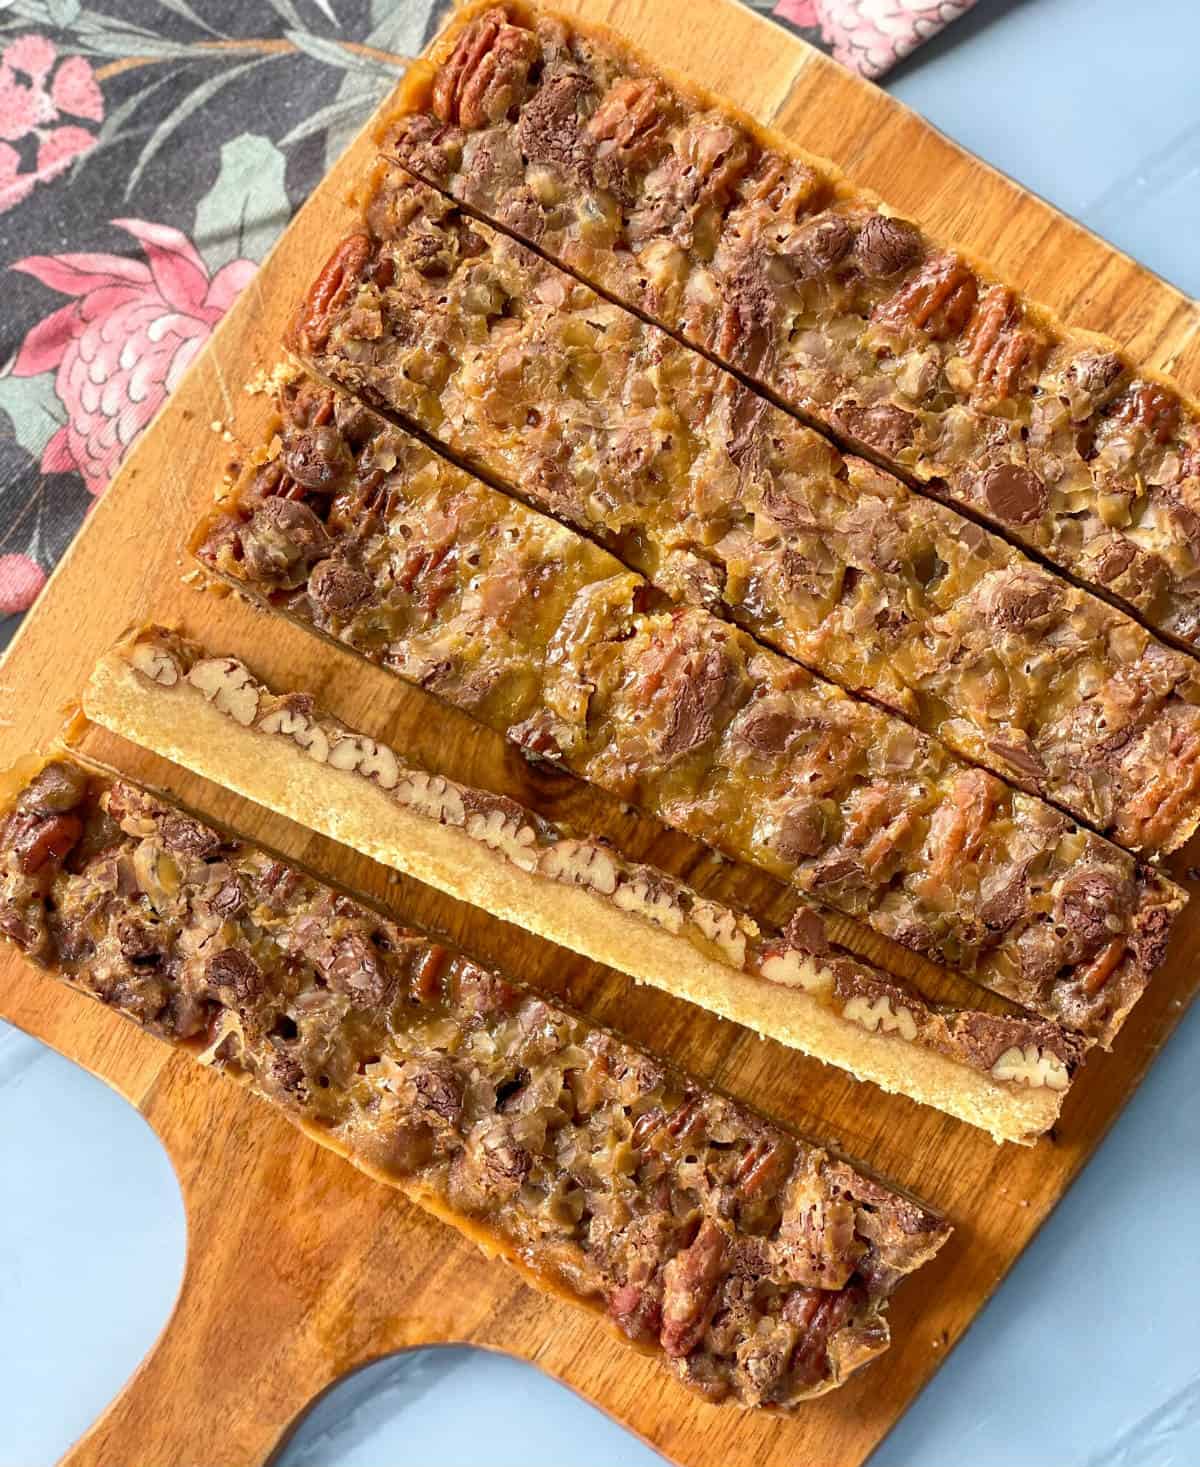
{"x": 997, "y": 345}
{"x": 938, "y": 300}
{"x": 487, "y": 73}
{"x": 329, "y": 291}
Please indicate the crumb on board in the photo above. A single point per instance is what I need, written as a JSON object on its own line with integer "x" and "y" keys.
{"x": 270, "y": 381}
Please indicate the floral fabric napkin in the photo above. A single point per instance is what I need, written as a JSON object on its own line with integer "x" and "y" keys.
{"x": 150, "y": 152}
{"x": 869, "y": 36}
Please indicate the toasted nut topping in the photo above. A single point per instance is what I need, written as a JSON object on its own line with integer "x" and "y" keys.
{"x": 502, "y": 833}
{"x": 376, "y": 761}
{"x": 720, "y": 925}
{"x": 155, "y": 663}
{"x": 228, "y": 684}
{"x": 795, "y": 969}
{"x": 228, "y": 1041}
{"x": 430, "y": 794}
{"x": 311, "y": 737}
{"x": 581, "y": 864}
{"x": 1033, "y": 1067}
{"x": 880, "y": 1017}
{"x": 657, "y": 905}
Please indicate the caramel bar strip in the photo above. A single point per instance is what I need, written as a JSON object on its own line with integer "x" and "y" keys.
{"x": 1007, "y": 1075}
{"x": 726, "y": 502}
{"x": 768, "y": 258}
{"x": 354, "y": 527}
{"x": 605, "y": 1174}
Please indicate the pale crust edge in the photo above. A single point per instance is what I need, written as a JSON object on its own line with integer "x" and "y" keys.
{"x": 179, "y": 724}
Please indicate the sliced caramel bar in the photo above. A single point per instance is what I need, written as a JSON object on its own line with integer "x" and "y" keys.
{"x": 752, "y": 1261}
{"x": 1006, "y": 1074}
{"x": 723, "y": 500}
{"x": 674, "y": 202}
{"x": 356, "y": 528}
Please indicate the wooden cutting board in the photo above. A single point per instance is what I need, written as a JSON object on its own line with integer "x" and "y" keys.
{"x": 299, "y": 1269}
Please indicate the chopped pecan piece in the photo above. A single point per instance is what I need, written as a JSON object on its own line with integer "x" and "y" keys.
{"x": 1151, "y": 407}
{"x": 630, "y": 123}
{"x": 689, "y": 1289}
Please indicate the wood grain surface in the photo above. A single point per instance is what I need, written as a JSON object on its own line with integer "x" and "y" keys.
{"x": 299, "y": 1269}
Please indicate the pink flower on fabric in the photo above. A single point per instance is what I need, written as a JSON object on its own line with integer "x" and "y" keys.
{"x": 799, "y": 12}
{"x": 29, "y": 107}
{"x": 124, "y": 340}
{"x": 20, "y": 581}
{"x": 14, "y": 185}
{"x": 871, "y": 36}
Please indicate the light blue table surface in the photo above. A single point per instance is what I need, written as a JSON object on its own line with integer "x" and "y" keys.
{"x": 1090, "y": 1354}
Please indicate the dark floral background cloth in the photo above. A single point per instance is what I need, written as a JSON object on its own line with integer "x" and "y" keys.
{"x": 150, "y": 153}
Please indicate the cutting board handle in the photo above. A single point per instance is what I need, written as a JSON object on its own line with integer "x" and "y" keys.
{"x": 176, "y": 1411}
{"x": 278, "y": 1300}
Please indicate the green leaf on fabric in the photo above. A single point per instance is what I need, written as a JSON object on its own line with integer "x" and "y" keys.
{"x": 192, "y": 102}
{"x": 32, "y": 406}
{"x": 397, "y": 29}
{"x": 63, "y": 12}
{"x": 334, "y": 53}
{"x": 347, "y": 114}
{"x": 185, "y": 12}
{"x": 287, "y": 13}
{"x": 244, "y": 212}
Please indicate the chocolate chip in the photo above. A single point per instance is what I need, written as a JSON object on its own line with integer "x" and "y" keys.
{"x": 1013, "y": 493}
{"x": 237, "y": 971}
{"x": 836, "y": 869}
{"x": 1021, "y": 599}
{"x": 886, "y": 246}
{"x": 817, "y": 249}
{"x": 59, "y": 787}
{"x": 1006, "y": 904}
{"x": 282, "y": 534}
{"x": 550, "y": 128}
{"x": 881, "y": 425}
{"x": 1094, "y": 373}
{"x": 806, "y": 930}
{"x": 229, "y": 901}
{"x": 690, "y": 715}
{"x": 1113, "y": 560}
{"x": 802, "y": 831}
{"x": 357, "y": 970}
{"x": 187, "y": 837}
{"x": 138, "y": 941}
{"x": 338, "y": 587}
{"x": 317, "y": 458}
{"x": 1087, "y": 902}
{"x": 1150, "y": 938}
{"x": 768, "y": 730}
